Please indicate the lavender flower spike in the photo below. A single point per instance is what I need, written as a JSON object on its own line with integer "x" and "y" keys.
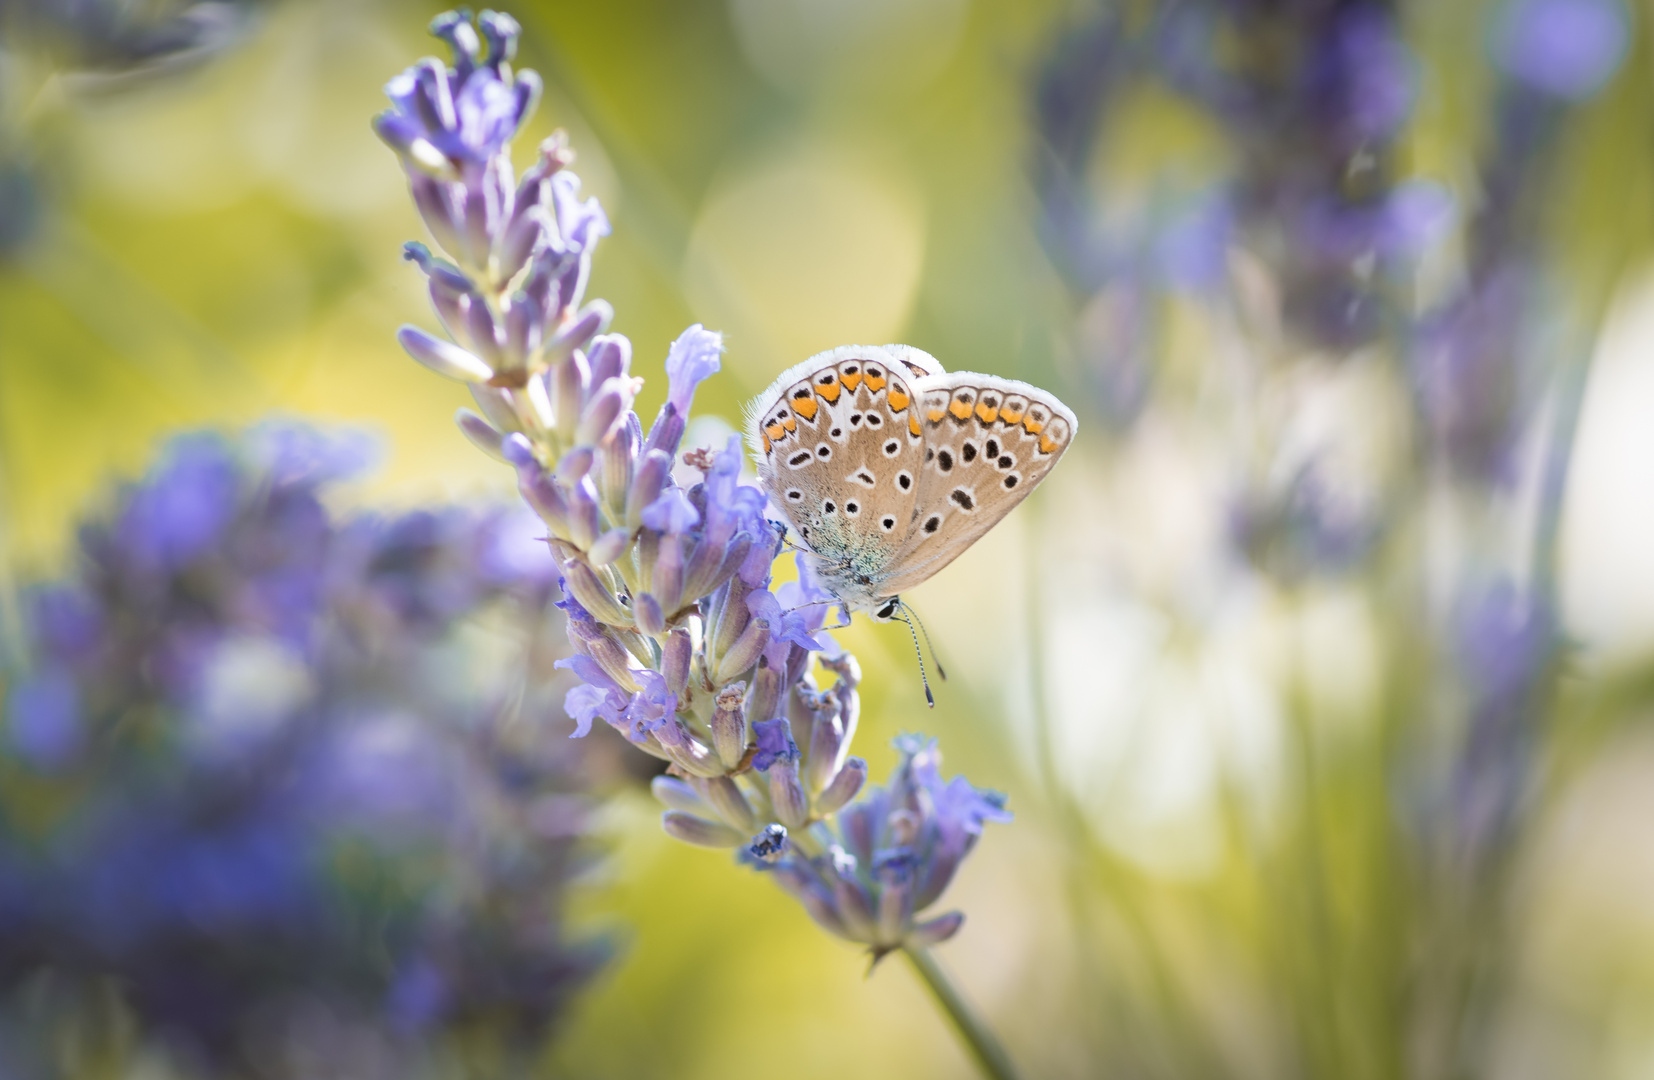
{"x": 891, "y": 855}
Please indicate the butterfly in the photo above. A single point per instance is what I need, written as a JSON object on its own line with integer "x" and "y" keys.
{"x": 888, "y": 467}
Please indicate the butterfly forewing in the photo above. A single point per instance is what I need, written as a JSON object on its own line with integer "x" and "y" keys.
{"x": 839, "y": 451}
{"x": 986, "y": 443}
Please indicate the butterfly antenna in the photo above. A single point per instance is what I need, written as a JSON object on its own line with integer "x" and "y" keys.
{"x": 930, "y": 699}
{"x": 940, "y": 672}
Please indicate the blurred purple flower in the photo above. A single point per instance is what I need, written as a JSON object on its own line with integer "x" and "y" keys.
{"x": 1568, "y": 48}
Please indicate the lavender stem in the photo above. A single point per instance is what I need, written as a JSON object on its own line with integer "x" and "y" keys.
{"x": 984, "y": 1048}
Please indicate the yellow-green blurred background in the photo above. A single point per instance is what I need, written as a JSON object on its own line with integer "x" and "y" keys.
{"x": 224, "y": 242}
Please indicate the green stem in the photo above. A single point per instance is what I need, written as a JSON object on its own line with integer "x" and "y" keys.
{"x": 990, "y": 1057}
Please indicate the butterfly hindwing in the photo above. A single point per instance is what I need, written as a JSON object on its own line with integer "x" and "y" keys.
{"x": 987, "y": 442}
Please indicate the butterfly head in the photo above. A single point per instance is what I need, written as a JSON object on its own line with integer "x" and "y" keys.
{"x": 886, "y": 609}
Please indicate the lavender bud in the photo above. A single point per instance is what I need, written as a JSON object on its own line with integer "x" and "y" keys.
{"x": 522, "y": 328}
{"x": 646, "y": 609}
{"x": 602, "y": 412}
{"x": 495, "y": 404}
{"x": 574, "y": 465}
{"x": 764, "y": 696}
{"x": 481, "y": 433}
{"x": 619, "y": 452}
{"x": 666, "y": 582}
{"x": 646, "y": 485}
{"x": 589, "y": 589}
{"x": 611, "y": 656}
{"x": 700, "y": 832}
{"x": 592, "y": 320}
{"x": 541, "y": 494}
{"x": 518, "y": 244}
{"x": 430, "y": 193}
{"x": 935, "y": 931}
{"x": 677, "y": 794}
{"x": 685, "y": 751}
{"x": 610, "y": 356}
{"x": 443, "y": 357}
{"x": 609, "y": 547}
{"x": 828, "y": 741}
{"x": 726, "y": 798}
{"x": 485, "y": 335}
{"x": 792, "y": 806}
{"x": 745, "y": 651}
{"x": 843, "y": 787}
{"x": 568, "y": 383}
{"x": 675, "y": 658}
{"x": 666, "y": 432}
{"x": 730, "y": 620}
{"x": 729, "y": 726}
{"x": 584, "y": 521}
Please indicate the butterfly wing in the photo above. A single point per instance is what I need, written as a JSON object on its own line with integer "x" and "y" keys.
{"x": 839, "y": 443}
{"x": 987, "y": 443}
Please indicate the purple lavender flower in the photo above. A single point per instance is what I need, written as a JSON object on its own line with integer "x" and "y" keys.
{"x": 251, "y": 729}
{"x": 890, "y": 856}
{"x": 1567, "y": 48}
{"x": 680, "y": 643}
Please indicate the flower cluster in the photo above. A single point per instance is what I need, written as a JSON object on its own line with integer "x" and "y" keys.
{"x": 681, "y": 643}
{"x": 250, "y": 761}
{"x": 891, "y": 855}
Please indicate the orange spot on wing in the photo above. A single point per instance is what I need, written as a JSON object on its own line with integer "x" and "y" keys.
{"x": 1011, "y": 416}
{"x": 851, "y": 380}
{"x": 898, "y": 400}
{"x": 775, "y": 431}
{"x": 790, "y": 424}
{"x": 959, "y": 409}
{"x": 913, "y": 423}
{"x": 1032, "y": 427}
{"x": 985, "y": 414}
{"x": 875, "y": 383}
{"x": 935, "y": 415}
{"x": 806, "y": 407}
{"x": 829, "y": 391}
{"x": 765, "y": 439}
{"x": 1047, "y": 444}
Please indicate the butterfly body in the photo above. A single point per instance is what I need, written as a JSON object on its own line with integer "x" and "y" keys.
{"x": 888, "y": 467}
